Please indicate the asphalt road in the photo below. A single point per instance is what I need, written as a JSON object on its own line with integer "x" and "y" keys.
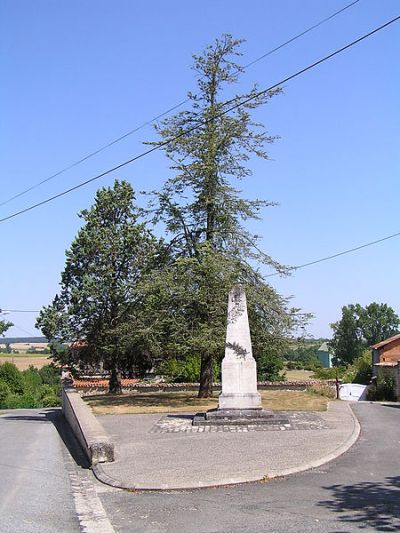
{"x": 43, "y": 488}
{"x": 35, "y": 491}
{"x": 360, "y": 491}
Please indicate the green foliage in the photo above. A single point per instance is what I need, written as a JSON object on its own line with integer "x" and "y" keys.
{"x": 360, "y": 371}
{"x": 185, "y": 371}
{"x": 134, "y": 300}
{"x": 347, "y": 342}
{"x": 203, "y": 214}
{"x": 50, "y": 374}
{"x": 5, "y": 392}
{"x": 29, "y": 388}
{"x": 322, "y": 389}
{"x": 270, "y": 367}
{"x": 329, "y": 373}
{"x": 10, "y": 374}
{"x": 98, "y": 295}
{"x": 377, "y": 322}
{"x": 384, "y": 389}
{"x": 4, "y": 325}
{"x": 31, "y": 378}
{"x": 22, "y": 401}
{"x": 361, "y": 327}
{"x": 302, "y": 358}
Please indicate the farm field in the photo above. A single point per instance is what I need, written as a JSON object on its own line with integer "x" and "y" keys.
{"x": 23, "y": 360}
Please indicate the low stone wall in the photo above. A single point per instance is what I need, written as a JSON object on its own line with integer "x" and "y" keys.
{"x": 91, "y": 388}
{"x": 90, "y": 433}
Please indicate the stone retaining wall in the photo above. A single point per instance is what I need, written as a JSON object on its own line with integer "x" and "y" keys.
{"x": 92, "y": 389}
{"x": 87, "y": 429}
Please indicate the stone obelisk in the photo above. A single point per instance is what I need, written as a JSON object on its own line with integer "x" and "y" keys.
{"x": 239, "y": 369}
{"x": 239, "y": 401}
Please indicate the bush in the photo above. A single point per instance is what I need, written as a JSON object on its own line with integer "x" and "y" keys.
{"x": 10, "y": 374}
{"x": 50, "y": 374}
{"x": 360, "y": 371}
{"x": 185, "y": 371}
{"x": 322, "y": 389}
{"x": 5, "y": 392}
{"x": 385, "y": 387}
{"x": 51, "y": 401}
{"x": 270, "y": 368}
{"x": 29, "y": 389}
{"x": 31, "y": 379}
{"x": 329, "y": 373}
{"x": 22, "y": 401}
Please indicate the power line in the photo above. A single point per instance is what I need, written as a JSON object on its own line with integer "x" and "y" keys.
{"x": 202, "y": 123}
{"x": 176, "y": 106}
{"x": 295, "y": 268}
{"x": 327, "y": 258}
{"x": 24, "y": 330}
{"x": 16, "y": 311}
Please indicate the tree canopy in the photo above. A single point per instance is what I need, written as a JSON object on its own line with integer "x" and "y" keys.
{"x": 128, "y": 297}
{"x": 361, "y": 327}
{"x": 98, "y": 285}
{"x": 204, "y": 213}
{"x": 4, "y": 326}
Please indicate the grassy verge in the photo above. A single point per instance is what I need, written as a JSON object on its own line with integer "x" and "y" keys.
{"x": 299, "y": 375}
{"x": 180, "y": 402}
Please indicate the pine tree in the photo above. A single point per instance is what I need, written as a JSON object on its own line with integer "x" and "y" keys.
{"x": 204, "y": 213}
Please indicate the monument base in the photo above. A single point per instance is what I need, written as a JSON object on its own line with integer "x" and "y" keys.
{"x": 242, "y": 401}
{"x": 237, "y": 417}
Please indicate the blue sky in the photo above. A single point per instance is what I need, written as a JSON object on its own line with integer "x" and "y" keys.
{"x": 77, "y": 74}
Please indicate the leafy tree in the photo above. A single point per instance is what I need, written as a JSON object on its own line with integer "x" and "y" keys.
{"x": 4, "y": 326}
{"x": 98, "y": 286}
{"x": 347, "y": 342}
{"x": 203, "y": 214}
{"x": 10, "y": 374}
{"x": 377, "y": 322}
{"x": 361, "y": 327}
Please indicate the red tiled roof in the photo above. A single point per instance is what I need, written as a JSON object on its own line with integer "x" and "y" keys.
{"x": 386, "y": 341}
{"x": 87, "y": 383}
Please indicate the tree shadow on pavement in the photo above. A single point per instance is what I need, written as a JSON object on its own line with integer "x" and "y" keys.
{"x": 371, "y": 505}
{"x": 56, "y": 417}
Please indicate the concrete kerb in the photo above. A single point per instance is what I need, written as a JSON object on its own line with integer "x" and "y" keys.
{"x": 90, "y": 433}
{"x": 340, "y": 450}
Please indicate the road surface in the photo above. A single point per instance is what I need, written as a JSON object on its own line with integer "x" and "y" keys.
{"x": 43, "y": 488}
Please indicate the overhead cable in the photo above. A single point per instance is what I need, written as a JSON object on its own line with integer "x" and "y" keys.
{"x": 176, "y": 106}
{"x": 202, "y": 123}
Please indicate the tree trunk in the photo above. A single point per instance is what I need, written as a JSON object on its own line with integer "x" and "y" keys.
{"x": 115, "y": 386}
{"x": 206, "y": 376}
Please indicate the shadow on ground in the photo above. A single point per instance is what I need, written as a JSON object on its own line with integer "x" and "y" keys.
{"x": 370, "y": 505}
{"x": 394, "y": 406}
{"x": 56, "y": 417}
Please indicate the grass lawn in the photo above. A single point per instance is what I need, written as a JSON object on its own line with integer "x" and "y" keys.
{"x": 299, "y": 375}
{"x": 181, "y": 402}
{"x": 23, "y": 360}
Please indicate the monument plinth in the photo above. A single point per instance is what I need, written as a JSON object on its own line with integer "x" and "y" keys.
{"x": 239, "y": 402}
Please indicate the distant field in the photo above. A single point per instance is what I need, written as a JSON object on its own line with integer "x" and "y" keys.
{"x": 23, "y": 360}
{"x": 23, "y": 347}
